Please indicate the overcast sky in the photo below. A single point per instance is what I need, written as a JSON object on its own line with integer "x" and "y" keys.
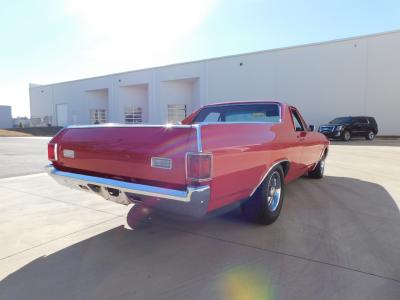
{"x": 46, "y": 41}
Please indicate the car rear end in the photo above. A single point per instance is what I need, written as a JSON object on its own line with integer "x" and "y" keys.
{"x": 373, "y": 124}
{"x": 157, "y": 166}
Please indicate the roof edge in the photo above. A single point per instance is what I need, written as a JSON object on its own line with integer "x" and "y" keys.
{"x": 223, "y": 57}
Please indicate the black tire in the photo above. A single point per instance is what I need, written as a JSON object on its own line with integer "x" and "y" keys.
{"x": 370, "y": 136}
{"x": 262, "y": 207}
{"x": 318, "y": 172}
{"x": 137, "y": 216}
{"x": 346, "y": 136}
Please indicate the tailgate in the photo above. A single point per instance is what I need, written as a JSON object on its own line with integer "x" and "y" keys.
{"x": 126, "y": 152}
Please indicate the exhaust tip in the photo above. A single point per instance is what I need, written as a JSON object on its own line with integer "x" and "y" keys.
{"x": 83, "y": 187}
{"x": 113, "y": 192}
{"x": 95, "y": 188}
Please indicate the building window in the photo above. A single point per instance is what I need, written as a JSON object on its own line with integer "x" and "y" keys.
{"x": 176, "y": 113}
{"x": 133, "y": 115}
{"x": 98, "y": 116}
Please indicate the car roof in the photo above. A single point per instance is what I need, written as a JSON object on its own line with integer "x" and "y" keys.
{"x": 246, "y": 102}
{"x": 354, "y": 117}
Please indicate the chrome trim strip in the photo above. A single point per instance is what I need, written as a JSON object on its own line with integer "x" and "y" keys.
{"x": 231, "y": 123}
{"x": 198, "y": 137}
{"x": 266, "y": 174}
{"x": 117, "y": 125}
{"x": 128, "y": 187}
{"x": 55, "y": 152}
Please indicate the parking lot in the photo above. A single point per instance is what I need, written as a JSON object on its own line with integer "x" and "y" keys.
{"x": 336, "y": 238}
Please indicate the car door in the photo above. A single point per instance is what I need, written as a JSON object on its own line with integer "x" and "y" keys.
{"x": 364, "y": 126}
{"x": 299, "y": 133}
{"x": 311, "y": 147}
{"x": 358, "y": 127}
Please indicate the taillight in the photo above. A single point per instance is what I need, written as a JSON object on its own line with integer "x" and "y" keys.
{"x": 52, "y": 152}
{"x": 198, "y": 166}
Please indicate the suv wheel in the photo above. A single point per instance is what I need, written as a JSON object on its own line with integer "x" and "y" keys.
{"x": 370, "y": 136}
{"x": 266, "y": 203}
{"x": 346, "y": 136}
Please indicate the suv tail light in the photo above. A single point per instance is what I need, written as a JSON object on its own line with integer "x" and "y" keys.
{"x": 52, "y": 151}
{"x": 198, "y": 166}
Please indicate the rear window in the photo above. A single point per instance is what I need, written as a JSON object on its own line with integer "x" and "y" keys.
{"x": 361, "y": 120}
{"x": 342, "y": 120}
{"x": 371, "y": 120}
{"x": 236, "y": 113}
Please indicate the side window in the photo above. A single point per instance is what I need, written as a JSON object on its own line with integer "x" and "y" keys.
{"x": 298, "y": 126}
{"x": 360, "y": 120}
{"x": 213, "y": 117}
{"x": 372, "y": 121}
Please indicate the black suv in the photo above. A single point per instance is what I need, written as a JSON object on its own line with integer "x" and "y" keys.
{"x": 346, "y": 127}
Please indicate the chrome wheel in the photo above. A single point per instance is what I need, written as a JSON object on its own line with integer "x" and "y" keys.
{"x": 274, "y": 189}
{"x": 371, "y": 135}
{"x": 347, "y": 136}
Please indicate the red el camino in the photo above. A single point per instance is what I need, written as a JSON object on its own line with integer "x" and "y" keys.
{"x": 221, "y": 155}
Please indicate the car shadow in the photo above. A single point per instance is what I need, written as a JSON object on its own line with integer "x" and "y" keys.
{"x": 336, "y": 234}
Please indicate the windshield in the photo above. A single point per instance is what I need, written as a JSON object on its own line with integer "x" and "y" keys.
{"x": 342, "y": 120}
{"x": 265, "y": 112}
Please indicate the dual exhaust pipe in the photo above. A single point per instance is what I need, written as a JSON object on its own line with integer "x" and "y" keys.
{"x": 112, "y": 192}
{"x": 96, "y": 188}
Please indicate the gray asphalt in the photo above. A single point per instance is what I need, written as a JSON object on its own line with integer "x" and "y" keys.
{"x": 22, "y": 156}
{"x": 336, "y": 238}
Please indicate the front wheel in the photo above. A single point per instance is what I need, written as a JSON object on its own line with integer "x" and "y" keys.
{"x": 265, "y": 205}
{"x": 370, "y": 136}
{"x": 346, "y": 136}
{"x": 319, "y": 169}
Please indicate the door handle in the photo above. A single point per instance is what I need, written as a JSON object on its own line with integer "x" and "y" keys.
{"x": 301, "y": 136}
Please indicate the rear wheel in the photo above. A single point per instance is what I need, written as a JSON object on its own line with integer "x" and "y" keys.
{"x": 370, "y": 136}
{"x": 346, "y": 136}
{"x": 265, "y": 205}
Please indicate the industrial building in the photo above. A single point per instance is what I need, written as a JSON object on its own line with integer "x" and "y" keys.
{"x": 5, "y": 116}
{"x": 355, "y": 76}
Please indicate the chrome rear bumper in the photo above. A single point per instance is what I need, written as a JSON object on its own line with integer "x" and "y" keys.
{"x": 192, "y": 202}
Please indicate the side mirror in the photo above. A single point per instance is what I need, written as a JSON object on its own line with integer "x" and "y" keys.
{"x": 311, "y": 127}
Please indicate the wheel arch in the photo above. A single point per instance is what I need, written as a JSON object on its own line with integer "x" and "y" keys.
{"x": 325, "y": 153}
{"x": 284, "y": 163}
{"x": 285, "y": 166}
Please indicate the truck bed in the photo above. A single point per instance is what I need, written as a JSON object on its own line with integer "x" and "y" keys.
{"x": 126, "y": 152}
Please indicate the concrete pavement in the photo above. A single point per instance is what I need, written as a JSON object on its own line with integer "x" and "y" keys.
{"x": 337, "y": 238}
{"x": 22, "y": 155}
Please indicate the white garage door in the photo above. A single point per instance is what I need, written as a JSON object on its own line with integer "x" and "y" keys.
{"x": 62, "y": 114}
